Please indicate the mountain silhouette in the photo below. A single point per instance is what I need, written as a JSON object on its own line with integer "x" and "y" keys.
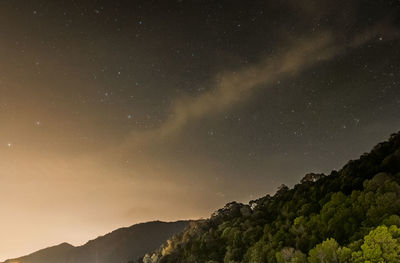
{"x": 121, "y": 245}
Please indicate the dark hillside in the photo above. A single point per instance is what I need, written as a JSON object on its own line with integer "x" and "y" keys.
{"x": 121, "y": 245}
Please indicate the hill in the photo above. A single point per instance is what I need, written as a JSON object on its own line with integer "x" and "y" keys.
{"x": 121, "y": 245}
{"x": 350, "y": 215}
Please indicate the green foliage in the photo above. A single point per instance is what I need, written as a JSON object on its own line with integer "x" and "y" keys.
{"x": 344, "y": 254}
{"x": 380, "y": 245}
{"x": 325, "y": 252}
{"x": 290, "y": 255}
{"x": 350, "y": 216}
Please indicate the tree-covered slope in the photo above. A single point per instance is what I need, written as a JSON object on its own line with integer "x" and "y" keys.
{"x": 351, "y": 215}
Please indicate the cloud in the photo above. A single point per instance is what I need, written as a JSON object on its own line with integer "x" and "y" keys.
{"x": 231, "y": 88}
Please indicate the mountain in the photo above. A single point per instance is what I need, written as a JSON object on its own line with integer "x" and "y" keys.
{"x": 351, "y": 215}
{"x": 121, "y": 245}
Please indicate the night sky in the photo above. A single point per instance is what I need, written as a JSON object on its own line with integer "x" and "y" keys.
{"x": 118, "y": 112}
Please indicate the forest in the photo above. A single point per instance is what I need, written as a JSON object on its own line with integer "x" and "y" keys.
{"x": 350, "y": 215}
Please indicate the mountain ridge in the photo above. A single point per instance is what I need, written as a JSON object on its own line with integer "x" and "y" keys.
{"x": 343, "y": 217}
{"x": 120, "y": 245}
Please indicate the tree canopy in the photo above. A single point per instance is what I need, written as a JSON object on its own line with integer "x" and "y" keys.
{"x": 350, "y": 215}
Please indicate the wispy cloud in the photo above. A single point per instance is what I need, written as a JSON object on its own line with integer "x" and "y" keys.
{"x": 231, "y": 88}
